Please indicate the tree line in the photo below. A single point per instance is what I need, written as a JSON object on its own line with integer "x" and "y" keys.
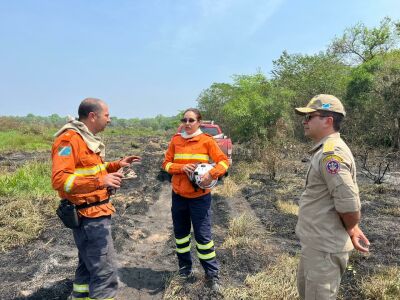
{"x": 361, "y": 67}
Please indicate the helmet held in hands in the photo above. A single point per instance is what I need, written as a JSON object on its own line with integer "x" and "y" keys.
{"x": 199, "y": 172}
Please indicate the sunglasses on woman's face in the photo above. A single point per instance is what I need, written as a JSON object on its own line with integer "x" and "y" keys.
{"x": 190, "y": 120}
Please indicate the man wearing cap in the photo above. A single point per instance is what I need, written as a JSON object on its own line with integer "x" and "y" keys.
{"x": 329, "y": 210}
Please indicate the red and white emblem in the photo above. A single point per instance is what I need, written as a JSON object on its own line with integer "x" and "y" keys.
{"x": 333, "y": 166}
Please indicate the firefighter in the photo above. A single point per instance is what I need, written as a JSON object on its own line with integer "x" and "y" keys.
{"x": 191, "y": 205}
{"x": 81, "y": 176}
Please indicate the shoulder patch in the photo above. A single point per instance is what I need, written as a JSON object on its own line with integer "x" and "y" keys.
{"x": 329, "y": 147}
{"x": 332, "y": 164}
{"x": 64, "y": 150}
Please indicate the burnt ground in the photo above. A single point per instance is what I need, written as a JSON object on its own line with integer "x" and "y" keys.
{"x": 142, "y": 232}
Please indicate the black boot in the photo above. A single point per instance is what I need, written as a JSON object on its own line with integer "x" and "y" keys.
{"x": 186, "y": 274}
{"x": 213, "y": 283}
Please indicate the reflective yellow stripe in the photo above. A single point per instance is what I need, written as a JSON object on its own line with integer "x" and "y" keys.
{"x": 183, "y": 250}
{"x": 90, "y": 171}
{"x": 204, "y": 157}
{"x": 183, "y": 240}
{"x": 80, "y": 298}
{"x": 168, "y": 165}
{"x": 206, "y": 256}
{"x": 69, "y": 183}
{"x": 206, "y": 246}
{"x": 107, "y": 164}
{"x": 222, "y": 163}
{"x": 81, "y": 288}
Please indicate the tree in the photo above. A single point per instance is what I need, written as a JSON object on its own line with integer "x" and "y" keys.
{"x": 374, "y": 93}
{"x": 300, "y": 77}
{"x": 212, "y": 100}
{"x": 360, "y": 44}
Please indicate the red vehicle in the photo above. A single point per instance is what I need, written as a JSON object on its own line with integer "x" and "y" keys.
{"x": 224, "y": 143}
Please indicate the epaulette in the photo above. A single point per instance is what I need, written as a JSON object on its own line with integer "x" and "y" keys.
{"x": 329, "y": 147}
{"x": 207, "y": 134}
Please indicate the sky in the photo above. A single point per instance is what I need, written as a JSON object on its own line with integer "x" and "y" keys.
{"x": 154, "y": 57}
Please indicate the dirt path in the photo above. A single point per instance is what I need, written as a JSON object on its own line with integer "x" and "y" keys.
{"x": 147, "y": 263}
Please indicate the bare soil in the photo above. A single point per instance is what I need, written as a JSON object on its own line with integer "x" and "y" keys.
{"x": 142, "y": 232}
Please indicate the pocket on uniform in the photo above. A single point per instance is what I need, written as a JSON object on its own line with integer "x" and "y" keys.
{"x": 99, "y": 237}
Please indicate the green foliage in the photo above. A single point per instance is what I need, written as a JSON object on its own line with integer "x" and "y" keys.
{"x": 308, "y": 75}
{"x": 31, "y": 180}
{"x": 19, "y": 141}
{"x": 373, "y": 96}
{"x": 26, "y": 198}
{"x": 254, "y": 109}
{"x": 361, "y": 44}
{"x": 246, "y": 109}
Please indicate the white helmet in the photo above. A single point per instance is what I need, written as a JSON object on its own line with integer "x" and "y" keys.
{"x": 199, "y": 172}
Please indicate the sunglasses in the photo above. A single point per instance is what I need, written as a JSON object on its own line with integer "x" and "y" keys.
{"x": 190, "y": 120}
{"x": 307, "y": 118}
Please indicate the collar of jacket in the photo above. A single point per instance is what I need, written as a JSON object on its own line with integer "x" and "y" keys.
{"x": 322, "y": 141}
{"x": 194, "y": 134}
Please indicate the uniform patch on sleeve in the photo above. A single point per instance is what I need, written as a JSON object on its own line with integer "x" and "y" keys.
{"x": 332, "y": 164}
{"x": 64, "y": 151}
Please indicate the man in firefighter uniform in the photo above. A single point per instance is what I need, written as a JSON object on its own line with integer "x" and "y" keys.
{"x": 191, "y": 204}
{"x": 81, "y": 176}
{"x": 329, "y": 210}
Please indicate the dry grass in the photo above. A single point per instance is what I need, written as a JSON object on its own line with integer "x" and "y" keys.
{"x": 175, "y": 289}
{"x": 240, "y": 171}
{"x": 394, "y": 211}
{"x": 383, "y": 285}
{"x": 287, "y": 207}
{"x": 278, "y": 281}
{"x": 26, "y": 199}
{"x": 228, "y": 189}
{"x": 242, "y": 232}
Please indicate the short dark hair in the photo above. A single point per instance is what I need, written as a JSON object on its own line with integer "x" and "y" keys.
{"x": 195, "y": 111}
{"x": 89, "y": 105}
{"x": 337, "y": 118}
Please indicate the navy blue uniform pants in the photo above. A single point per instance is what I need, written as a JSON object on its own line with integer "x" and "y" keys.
{"x": 196, "y": 211}
{"x": 96, "y": 275}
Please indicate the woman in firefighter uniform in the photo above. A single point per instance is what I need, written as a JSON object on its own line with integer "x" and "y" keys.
{"x": 191, "y": 205}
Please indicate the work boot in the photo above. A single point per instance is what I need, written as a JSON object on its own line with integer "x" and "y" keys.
{"x": 186, "y": 274}
{"x": 213, "y": 283}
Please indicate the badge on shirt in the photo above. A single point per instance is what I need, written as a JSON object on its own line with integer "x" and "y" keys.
{"x": 333, "y": 166}
{"x": 332, "y": 163}
{"x": 64, "y": 151}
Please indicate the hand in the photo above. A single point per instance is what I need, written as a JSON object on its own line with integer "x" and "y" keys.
{"x": 358, "y": 238}
{"x": 126, "y": 161}
{"x": 113, "y": 180}
{"x": 206, "y": 179}
{"x": 189, "y": 169}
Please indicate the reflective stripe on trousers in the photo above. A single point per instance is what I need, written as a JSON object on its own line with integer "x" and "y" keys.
{"x": 196, "y": 211}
